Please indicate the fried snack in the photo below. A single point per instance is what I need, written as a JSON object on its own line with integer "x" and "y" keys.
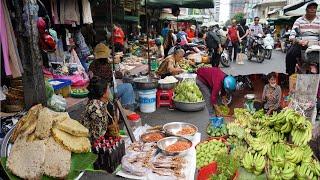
{"x": 26, "y": 159}
{"x": 73, "y": 127}
{"x": 57, "y": 161}
{"x": 72, "y": 143}
{"x": 59, "y": 116}
{"x": 44, "y": 125}
{"x": 26, "y": 121}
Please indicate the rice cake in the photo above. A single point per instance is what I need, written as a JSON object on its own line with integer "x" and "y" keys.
{"x": 57, "y": 161}
{"x": 26, "y": 159}
{"x": 73, "y": 127}
{"x": 73, "y": 143}
{"x": 44, "y": 124}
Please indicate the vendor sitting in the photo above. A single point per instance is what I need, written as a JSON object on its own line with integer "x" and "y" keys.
{"x": 102, "y": 67}
{"x": 96, "y": 116}
{"x": 271, "y": 95}
{"x": 170, "y": 65}
{"x": 159, "y": 51}
{"x": 211, "y": 82}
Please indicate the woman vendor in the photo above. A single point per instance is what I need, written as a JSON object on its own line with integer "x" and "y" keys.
{"x": 271, "y": 95}
{"x": 102, "y": 67}
{"x": 97, "y": 112}
{"x": 211, "y": 82}
{"x": 170, "y": 65}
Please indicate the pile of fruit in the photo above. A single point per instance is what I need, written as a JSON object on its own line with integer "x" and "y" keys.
{"x": 278, "y": 143}
{"x": 79, "y": 91}
{"x": 217, "y": 131}
{"x": 188, "y": 91}
{"x": 207, "y": 152}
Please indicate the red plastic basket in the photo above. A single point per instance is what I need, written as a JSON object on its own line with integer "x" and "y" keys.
{"x": 205, "y": 172}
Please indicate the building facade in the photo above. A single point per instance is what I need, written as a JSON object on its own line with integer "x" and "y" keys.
{"x": 236, "y": 6}
{"x": 216, "y": 11}
{"x": 263, "y": 8}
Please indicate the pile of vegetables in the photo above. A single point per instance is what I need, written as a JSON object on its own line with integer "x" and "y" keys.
{"x": 217, "y": 131}
{"x": 207, "y": 152}
{"x": 188, "y": 91}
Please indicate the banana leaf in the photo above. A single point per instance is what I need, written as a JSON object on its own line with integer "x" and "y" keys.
{"x": 79, "y": 162}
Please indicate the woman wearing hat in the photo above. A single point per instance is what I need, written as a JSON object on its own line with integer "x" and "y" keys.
{"x": 102, "y": 67}
{"x": 170, "y": 65}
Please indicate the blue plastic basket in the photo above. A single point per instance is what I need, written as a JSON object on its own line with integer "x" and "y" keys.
{"x": 59, "y": 83}
{"x": 217, "y": 121}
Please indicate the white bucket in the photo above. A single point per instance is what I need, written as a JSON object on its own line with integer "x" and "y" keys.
{"x": 147, "y": 100}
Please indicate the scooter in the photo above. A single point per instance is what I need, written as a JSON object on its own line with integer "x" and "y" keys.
{"x": 257, "y": 49}
{"x": 268, "y": 44}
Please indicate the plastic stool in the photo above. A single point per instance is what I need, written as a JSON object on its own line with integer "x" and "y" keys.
{"x": 164, "y": 98}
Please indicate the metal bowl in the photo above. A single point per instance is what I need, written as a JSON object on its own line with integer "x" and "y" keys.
{"x": 173, "y": 128}
{"x": 188, "y": 106}
{"x": 167, "y": 86}
{"x": 146, "y": 83}
{"x": 165, "y": 142}
{"x": 186, "y": 76}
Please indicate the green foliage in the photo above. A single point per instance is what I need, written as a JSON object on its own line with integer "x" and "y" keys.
{"x": 238, "y": 16}
{"x": 227, "y": 167}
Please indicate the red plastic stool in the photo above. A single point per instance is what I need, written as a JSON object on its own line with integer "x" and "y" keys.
{"x": 164, "y": 98}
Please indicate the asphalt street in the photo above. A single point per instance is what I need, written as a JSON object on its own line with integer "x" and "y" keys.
{"x": 275, "y": 64}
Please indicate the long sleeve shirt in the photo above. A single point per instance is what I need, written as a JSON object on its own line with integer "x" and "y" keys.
{"x": 213, "y": 78}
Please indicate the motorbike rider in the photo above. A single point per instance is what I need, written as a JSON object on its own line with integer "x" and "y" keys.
{"x": 211, "y": 81}
{"x": 255, "y": 29}
{"x": 308, "y": 28}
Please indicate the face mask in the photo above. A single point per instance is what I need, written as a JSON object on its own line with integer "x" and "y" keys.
{"x": 273, "y": 85}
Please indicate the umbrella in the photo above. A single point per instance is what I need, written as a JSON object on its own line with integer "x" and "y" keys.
{"x": 299, "y": 8}
{"x": 199, "y": 4}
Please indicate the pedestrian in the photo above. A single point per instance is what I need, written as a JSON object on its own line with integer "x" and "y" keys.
{"x": 102, "y": 67}
{"x": 165, "y": 29}
{"x": 272, "y": 95}
{"x": 191, "y": 33}
{"x": 234, "y": 39}
{"x": 243, "y": 33}
{"x": 168, "y": 42}
{"x": 214, "y": 45}
{"x": 213, "y": 81}
{"x": 199, "y": 39}
{"x": 118, "y": 38}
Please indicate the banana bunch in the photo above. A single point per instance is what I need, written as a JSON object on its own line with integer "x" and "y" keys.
{"x": 270, "y": 134}
{"x": 304, "y": 172}
{"x": 277, "y": 154}
{"x": 316, "y": 167}
{"x": 259, "y": 144}
{"x": 286, "y": 128}
{"x": 287, "y": 172}
{"x": 254, "y": 163}
{"x": 298, "y": 154}
{"x": 302, "y": 132}
{"x": 236, "y": 130}
{"x": 255, "y": 124}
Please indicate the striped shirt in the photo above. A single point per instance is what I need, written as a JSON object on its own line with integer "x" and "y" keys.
{"x": 310, "y": 30}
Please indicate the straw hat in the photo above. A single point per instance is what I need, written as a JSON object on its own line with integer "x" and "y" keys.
{"x": 101, "y": 51}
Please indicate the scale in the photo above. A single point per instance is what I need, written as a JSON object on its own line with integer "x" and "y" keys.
{"x": 249, "y": 103}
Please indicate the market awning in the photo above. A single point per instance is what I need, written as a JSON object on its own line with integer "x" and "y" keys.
{"x": 170, "y": 17}
{"x": 199, "y": 4}
{"x": 299, "y": 8}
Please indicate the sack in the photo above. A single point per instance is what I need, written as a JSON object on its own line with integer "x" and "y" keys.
{"x": 233, "y": 34}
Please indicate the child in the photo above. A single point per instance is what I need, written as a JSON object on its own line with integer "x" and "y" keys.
{"x": 271, "y": 95}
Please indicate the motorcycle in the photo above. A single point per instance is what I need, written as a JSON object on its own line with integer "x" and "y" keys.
{"x": 286, "y": 42}
{"x": 257, "y": 50}
{"x": 268, "y": 44}
{"x": 244, "y": 82}
{"x": 225, "y": 58}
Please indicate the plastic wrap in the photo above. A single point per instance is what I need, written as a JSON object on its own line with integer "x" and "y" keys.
{"x": 57, "y": 103}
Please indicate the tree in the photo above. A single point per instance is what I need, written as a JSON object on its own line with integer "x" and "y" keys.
{"x": 238, "y": 16}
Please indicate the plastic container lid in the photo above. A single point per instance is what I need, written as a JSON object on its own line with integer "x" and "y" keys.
{"x": 134, "y": 117}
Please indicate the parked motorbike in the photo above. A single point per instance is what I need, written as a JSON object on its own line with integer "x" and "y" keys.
{"x": 268, "y": 44}
{"x": 225, "y": 58}
{"x": 257, "y": 49}
{"x": 286, "y": 42}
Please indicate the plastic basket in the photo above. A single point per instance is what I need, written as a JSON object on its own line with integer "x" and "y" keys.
{"x": 205, "y": 172}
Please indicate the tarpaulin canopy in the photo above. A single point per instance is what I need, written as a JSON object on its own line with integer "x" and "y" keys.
{"x": 182, "y": 18}
{"x": 299, "y": 8}
{"x": 199, "y": 4}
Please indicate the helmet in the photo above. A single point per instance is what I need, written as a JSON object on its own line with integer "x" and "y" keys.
{"x": 158, "y": 41}
{"x": 229, "y": 83}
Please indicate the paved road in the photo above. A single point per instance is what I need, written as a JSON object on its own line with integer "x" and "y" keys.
{"x": 276, "y": 64}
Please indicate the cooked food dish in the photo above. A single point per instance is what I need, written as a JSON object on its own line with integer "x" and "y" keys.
{"x": 57, "y": 161}
{"x": 152, "y": 137}
{"x": 178, "y": 146}
{"x": 73, "y": 127}
{"x": 72, "y": 143}
{"x": 44, "y": 125}
{"x": 186, "y": 131}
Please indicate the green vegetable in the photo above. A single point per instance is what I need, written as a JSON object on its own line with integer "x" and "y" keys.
{"x": 188, "y": 91}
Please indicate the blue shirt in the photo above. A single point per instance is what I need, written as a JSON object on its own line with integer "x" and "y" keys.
{"x": 164, "y": 32}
